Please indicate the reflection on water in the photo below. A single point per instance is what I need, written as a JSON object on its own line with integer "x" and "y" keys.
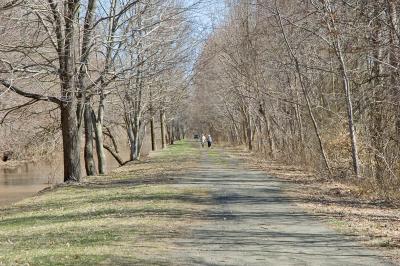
{"x": 28, "y": 178}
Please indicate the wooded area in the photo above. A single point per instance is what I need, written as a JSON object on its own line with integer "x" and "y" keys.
{"x": 308, "y": 82}
{"x": 299, "y": 100}
{"x": 312, "y": 83}
{"x": 94, "y": 68}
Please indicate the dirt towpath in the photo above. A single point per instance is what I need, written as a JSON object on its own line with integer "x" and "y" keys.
{"x": 253, "y": 222}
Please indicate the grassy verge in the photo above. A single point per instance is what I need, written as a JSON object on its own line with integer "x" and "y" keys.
{"x": 344, "y": 204}
{"x": 115, "y": 219}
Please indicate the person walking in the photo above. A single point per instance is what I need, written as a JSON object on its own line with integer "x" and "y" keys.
{"x": 209, "y": 141}
{"x": 203, "y": 140}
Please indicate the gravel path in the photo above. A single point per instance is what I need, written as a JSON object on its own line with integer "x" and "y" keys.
{"x": 254, "y": 223}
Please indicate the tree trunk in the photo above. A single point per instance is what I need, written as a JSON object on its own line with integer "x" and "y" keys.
{"x": 136, "y": 131}
{"x": 152, "y": 134}
{"x": 114, "y": 150}
{"x": 350, "y": 115}
{"x": 131, "y": 138}
{"x": 168, "y": 136}
{"x": 162, "y": 125}
{"x": 89, "y": 159}
{"x": 175, "y": 129}
{"x": 141, "y": 141}
{"x": 171, "y": 133}
{"x": 82, "y": 76}
{"x": 244, "y": 132}
{"x": 98, "y": 122}
{"x": 133, "y": 131}
{"x": 115, "y": 154}
{"x": 337, "y": 46}
{"x": 377, "y": 108}
{"x": 305, "y": 92}
{"x": 183, "y": 130}
{"x": 300, "y": 124}
{"x": 249, "y": 134}
{"x": 70, "y": 114}
{"x": 71, "y": 142}
{"x": 270, "y": 137}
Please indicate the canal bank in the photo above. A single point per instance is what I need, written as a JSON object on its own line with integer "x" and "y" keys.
{"x": 22, "y": 179}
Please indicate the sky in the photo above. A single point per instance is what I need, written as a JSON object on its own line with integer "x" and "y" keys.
{"x": 206, "y": 15}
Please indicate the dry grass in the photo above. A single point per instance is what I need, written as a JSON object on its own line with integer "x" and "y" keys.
{"x": 116, "y": 219}
{"x": 347, "y": 205}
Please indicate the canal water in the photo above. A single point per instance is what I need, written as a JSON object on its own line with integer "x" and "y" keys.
{"x": 26, "y": 179}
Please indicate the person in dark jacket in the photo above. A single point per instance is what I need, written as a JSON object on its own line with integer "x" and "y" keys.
{"x": 209, "y": 141}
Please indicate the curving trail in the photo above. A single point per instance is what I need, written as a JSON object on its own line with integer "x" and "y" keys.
{"x": 252, "y": 222}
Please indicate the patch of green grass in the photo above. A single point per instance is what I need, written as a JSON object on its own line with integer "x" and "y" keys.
{"x": 339, "y": 225}
{"x": 217, "y": 157}
{"x": 105, "y": 222}
{"x": 182, "y": 149}
{"x": 383, "y": 242}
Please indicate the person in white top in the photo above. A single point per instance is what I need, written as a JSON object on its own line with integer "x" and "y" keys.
{"x": 203, "y": 140}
